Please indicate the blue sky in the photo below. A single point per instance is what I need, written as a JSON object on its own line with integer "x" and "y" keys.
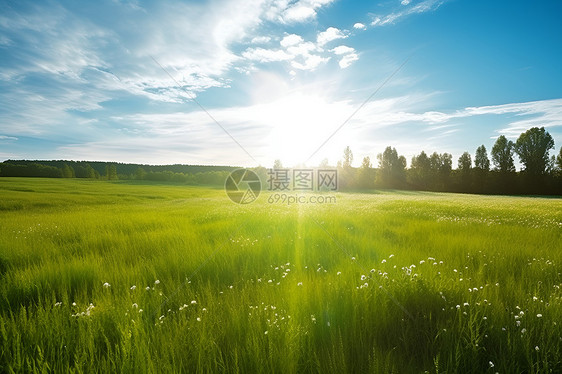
{"x": 89, "y": 80}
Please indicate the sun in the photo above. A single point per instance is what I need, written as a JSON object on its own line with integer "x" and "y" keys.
{"x": 299, "y": 124}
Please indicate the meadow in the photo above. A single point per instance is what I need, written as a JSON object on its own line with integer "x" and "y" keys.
{"x": 141, "y": 277}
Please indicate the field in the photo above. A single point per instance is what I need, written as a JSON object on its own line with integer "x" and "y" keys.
{"x": 137, "y": 277}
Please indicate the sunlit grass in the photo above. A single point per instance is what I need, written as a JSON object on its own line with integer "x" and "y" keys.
{"x": 122, "y": 277}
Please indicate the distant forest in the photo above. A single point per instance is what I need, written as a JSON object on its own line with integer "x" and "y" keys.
{"x": 189, "y": 174}
{"x": 540, "y": 174}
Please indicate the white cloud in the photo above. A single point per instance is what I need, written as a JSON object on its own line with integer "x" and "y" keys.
{"x": 311, "y": 62}
{"x": 342, "y": 50}
{"x": 359, "y": 26}
{"x": 422, "y": 7}
{"x": 347, "y": 60}
{"x": 330, "y": 34}
{"x": 302, "y": 49}
{"x": 266, "y": 55}
{"x": 261, "y": 40}
{"x": 405, "y": 2}
{"x": 544, "y": 113}
{"x": 299, "y": 11}
{"x": 291, "y": 40}
{"x": 4, "y": 137}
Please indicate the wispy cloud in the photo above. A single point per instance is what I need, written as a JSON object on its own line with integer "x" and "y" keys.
{"x": 406, "y": 10}
{"x": 5, "y": 137}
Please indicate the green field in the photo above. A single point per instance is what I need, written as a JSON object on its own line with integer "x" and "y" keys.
{"x": 137, "y": 277}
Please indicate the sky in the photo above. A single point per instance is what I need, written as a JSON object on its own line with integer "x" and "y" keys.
{"x": 234, "y": 82}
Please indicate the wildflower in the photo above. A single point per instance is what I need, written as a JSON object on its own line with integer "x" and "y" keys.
{"x": 157, "y": 281}
{"x": 74, "y": 304}
{"x": 383, "y": 261}
{"x": 140, "y": 310}
{"x": 265, "y": 333}
{"x": 147, "y": 288}
{"x": 338, "y": 273}
{"x": 539, "y": 315}
{"x": 372, "y": 270}
{"x": 465, "y": 304}
{"x": 363, "y": 277}
{"x": 133, "y": 287}
{"x": 135, "y": 305}
{"x": 537, "y": 348}
{"x": 58, "y": 303}
{"x": 422, "y": 261}
{"x": 491, "y": 364}
{"x": 390, "y": 256}
{"x": 458, "y": 306}
{"x": 106, "y": 285}
{"x": 198, "y": 319}
{"x": 523, "y": 330}
{"x": 299, "y": 284}
{"x": 193, "y": 302}
{"x": 353, "y": 259}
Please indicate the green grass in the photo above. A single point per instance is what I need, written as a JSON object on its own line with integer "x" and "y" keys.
{"x": 277, "y": 288}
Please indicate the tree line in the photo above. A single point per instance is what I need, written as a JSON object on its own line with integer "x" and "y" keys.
{"x": 188, "y": 174}
{"x": 540, "y": 173}
{"x": 493, "y": 174}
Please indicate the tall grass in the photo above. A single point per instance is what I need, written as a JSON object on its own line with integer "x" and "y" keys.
{"x": 118, "y": 277}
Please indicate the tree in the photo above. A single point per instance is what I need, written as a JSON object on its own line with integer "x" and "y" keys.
{"x": 347, "y": 157}
{"x": 67, "y": 171}
{"x": 559, "y": 160}
{"x": 465, "y": 162}
{"x": 419, "y": 173}
{"x": 502, "y": 155}
{"x": 440, "y": 166}
{"x": 445, "y": 164}
{"x": 323, "y": 164}
{"x": 392, "y": 169}
{"x": 140, "y": 173}
{"x": 366, "y": 164}
{"x": 481, "y": 160}
{"x": 111, "y": 172}
{"x": 90, "y": 172}
{"x": 366, "y": 174}
{"x": 277, "y": 164}
{"x": 533, "y": 147}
